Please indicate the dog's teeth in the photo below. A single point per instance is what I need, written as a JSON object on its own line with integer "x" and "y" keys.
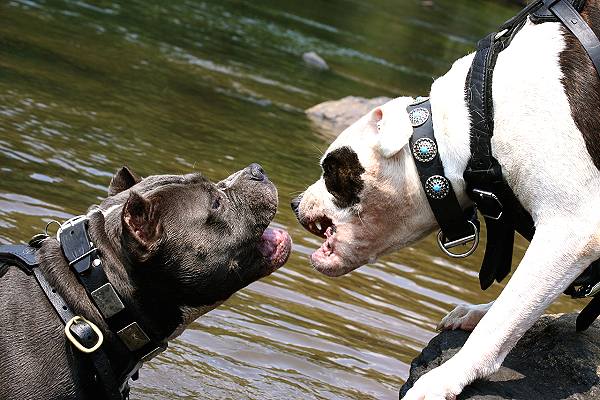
{"x": 318, "y": 225}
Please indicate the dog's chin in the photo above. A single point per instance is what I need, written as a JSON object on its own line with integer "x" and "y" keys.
{"x": 331, "y": 263}
{"x": 275, "y": 246}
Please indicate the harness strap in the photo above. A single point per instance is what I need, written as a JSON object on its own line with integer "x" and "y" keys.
{"x": 573, "y": 21}
{"x": 486, "y": 185}
{"x": 86, "y": 336}
{"x": 24, "y": 257}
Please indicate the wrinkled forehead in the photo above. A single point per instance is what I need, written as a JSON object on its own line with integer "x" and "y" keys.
{"x": 155, "y": 182}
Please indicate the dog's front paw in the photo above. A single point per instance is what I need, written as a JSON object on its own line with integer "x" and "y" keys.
{"x": 437, "y": 384}
{"x": 465, "y": 317}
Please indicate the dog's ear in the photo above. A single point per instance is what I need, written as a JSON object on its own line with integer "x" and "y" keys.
{"x": 142, "y": 228}
{"x": 123, "y": 180}
{"x": 393, "y": 131}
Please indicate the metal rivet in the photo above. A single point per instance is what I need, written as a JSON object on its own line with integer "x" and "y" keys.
{"x": 424, "y": 150}
{"x": 437, "y": 187}
{"x": 96, "y": 262}
{"x": 418, "y": 116}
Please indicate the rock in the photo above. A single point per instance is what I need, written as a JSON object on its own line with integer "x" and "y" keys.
{"x": 314, "y": 60}
{"x": 336, "y": 115}
{"x": 550, "y": 362}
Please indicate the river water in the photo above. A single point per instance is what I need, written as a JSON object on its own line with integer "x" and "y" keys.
{"x": 211, "y": 86}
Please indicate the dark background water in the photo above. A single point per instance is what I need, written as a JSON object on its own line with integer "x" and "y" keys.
{"x": 211, "y": 86}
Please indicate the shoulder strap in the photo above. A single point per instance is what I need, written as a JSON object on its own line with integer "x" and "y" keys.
{"x": 543, "y": 14}
{"x": 573, "y": 21}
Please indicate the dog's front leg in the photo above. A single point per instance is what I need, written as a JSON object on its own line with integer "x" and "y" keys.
{"x": 558, "y": 253}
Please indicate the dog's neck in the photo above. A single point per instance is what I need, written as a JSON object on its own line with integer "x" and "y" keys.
{"x": 451, "y": 124}
{"x": 157, "y": 322}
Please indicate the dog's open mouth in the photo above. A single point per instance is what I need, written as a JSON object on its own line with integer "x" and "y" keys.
{"x": 325, "y": 259}
{"x": 275, "y": 246}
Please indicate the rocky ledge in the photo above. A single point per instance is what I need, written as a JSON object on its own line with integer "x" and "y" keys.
{"x": 334, "y": 116}
{"x": 551, "y": 362}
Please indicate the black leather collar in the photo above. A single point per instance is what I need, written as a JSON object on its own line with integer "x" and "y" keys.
{"x": 86, "y": 262}
{"x": 456, "y": 227}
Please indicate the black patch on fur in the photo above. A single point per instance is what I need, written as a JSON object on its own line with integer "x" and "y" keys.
{"x": 582, "y": 83}
{"x": 341, "y": 172}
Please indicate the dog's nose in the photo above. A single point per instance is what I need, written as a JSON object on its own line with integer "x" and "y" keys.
{"x": 296, "y": 204}
{"x": 257, "y": 173}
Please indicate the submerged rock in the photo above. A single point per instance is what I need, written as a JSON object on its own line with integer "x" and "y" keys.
{"x": 314, "y": 60}
{"x": 336, "y": 115}
{"x": 550, "y": 362}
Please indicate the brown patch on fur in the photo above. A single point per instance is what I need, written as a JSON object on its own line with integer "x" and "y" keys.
{"x": 582, "y": 83}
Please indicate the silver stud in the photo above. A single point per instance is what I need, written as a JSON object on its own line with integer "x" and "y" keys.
{"x": 424, "y": 149}
{"x": 418, "y": 116}
{"x": 96, "y": 262}
{"x": 437, "y": 187}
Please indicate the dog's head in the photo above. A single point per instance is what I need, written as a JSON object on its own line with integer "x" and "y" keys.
{"x": 369, "y": 200}
{"x": 189, "y": 244}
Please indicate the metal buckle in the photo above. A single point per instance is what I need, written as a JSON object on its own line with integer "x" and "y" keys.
{"x": 483, "y": 195}
{"x": 448, "y": 245}
{"x": 75, "y": 342}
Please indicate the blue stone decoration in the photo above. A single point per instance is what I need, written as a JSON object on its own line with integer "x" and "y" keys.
{"x": 418, "y": 116}
{"x": 437, "y": 187}
{"x": 424, "y": 150}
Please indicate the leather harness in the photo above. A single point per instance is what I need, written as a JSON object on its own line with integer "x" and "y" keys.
{"x": 86, "y": 262}
{"x": 486, "y": 186}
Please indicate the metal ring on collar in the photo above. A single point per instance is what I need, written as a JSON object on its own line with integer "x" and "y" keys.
{"x": 448, "y": 245}
{"x": 75, "y": 342}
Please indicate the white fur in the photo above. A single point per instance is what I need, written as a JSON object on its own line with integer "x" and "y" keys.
{"x": 464, "y": 316}
{"x": 544, "y": 159}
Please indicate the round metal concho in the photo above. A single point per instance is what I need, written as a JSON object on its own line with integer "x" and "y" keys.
{"x": 424, "y": 149}
{"x": 418, "y": 116}
{"x": 437, "y": 187}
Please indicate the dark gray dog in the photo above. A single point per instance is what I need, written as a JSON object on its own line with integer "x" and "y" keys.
{"x": 173, "y": 247}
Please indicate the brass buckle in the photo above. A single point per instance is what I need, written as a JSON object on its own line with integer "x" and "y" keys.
{"x": 75, "y": 342}
{"x": 446, "y": 246}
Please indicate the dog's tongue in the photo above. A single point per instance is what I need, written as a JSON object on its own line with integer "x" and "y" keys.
{"x": 275, "y": 246}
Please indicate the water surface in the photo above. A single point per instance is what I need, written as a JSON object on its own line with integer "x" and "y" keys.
{"x": 211, "y": 86}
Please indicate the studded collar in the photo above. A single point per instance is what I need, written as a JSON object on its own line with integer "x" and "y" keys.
{"x": 457, "y": 226}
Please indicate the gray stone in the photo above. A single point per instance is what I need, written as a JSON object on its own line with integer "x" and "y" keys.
{"x": 550, "y": 362}
{"x": 314, "y": 60}
{"x": 334, "y": 116}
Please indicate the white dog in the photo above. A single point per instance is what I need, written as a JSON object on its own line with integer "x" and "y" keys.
{"x": 370, "y": 201}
